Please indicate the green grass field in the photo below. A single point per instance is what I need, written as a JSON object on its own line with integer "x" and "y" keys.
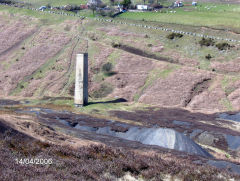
{"x": 55, "y": 2}
{"x": 218, "y": 16}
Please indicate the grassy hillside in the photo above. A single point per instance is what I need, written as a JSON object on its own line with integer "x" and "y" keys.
{"x": 205, "y": 14}
{"x": 142, "y": 60}
{"x": 38, "y": 3}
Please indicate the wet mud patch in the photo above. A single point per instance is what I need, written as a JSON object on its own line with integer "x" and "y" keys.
{"x": 163, "y": 137}
{"x": 232, "y": 116}
{"x": 205, "y": 129}
{"x": 176, "y": 118}
{"x": 117, "y": 160}
{"x": 128, "y": 137}
{"x": 8, "y": 102}
{"x": 47, "y": 98}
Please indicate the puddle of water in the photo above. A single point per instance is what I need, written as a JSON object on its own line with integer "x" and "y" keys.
{"x": 182, "y": 123}
{"x": 233, "y": 141}
{"x": 30, "y": 111}
{"x": 63, "y": 122}
{"x": 122, "y": 125}
{"x": 233, "y": 117}
{"x": 86, "y": 128}
{"x": 8, "y": 102}
{"x": 25, "y": 102}
{"x": 37, "y": 111}
{"x": 50, "y": 111}
{"x": 195, "y": 133}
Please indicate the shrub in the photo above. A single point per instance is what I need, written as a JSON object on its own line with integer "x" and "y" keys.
{"x": 102, "y": 5}
{"x": 48, "y": 5}
{"x": 208, "y": 57}
{"x": 156, "y": 6}
{"x": 107, "y": 67}
{"x": 146, "y": 36}
{"x": 116, "y": 45}
{"x": 70, "y": 7}
{"x": 108, "y": 12}
{"x": 206, "y": 42}
{"x": 8, "y": 2}
{"x": 126, "y": 3}
{"x": 223, "y": 46}
{"x": 132, "y": 6}
{"x": 171, "y": 36}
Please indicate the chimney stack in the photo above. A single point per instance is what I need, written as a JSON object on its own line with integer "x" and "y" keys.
{"x": 81, "y": 80}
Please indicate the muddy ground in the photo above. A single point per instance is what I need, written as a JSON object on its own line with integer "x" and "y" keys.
{"x": 57, "y": 127}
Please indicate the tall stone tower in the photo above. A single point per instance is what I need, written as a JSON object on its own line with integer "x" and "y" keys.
{"x": 81, "y": 80}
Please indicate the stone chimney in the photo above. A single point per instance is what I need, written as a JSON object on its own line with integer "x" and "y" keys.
{"x": 81, "y": 80}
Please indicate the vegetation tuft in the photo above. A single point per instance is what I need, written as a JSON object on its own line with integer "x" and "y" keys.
{"x": 206, "y": 42}
{"x": 208, "y": 56}
{"x": 171, "y": 36}
{"x": 116, "y": 45}
{"x": 223, "y": 46}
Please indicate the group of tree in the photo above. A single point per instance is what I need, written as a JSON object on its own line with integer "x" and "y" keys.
{"x": 95, "y": 4}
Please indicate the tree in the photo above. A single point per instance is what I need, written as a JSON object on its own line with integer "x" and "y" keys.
{"x": 126, "y": 3}
{"x": 112, "y": 2}
{"x": 150, "y": 1}
{"x": 93, "y": 7}
{"x": 93, "y": 4}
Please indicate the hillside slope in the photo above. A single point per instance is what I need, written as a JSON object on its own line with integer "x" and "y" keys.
{"x": 37, "y": 59}
{"x": 158, "y": 106}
